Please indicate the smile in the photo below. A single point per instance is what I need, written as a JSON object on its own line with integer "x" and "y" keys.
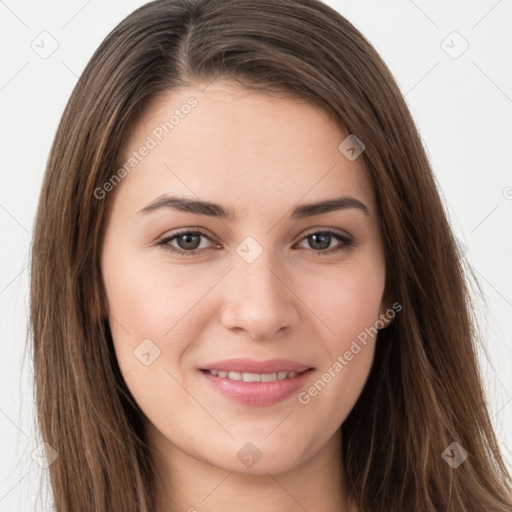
{"x": 253, "y": 377}
{"x": 253, "y": 383}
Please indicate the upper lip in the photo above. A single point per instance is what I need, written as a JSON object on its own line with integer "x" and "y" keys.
{"x": 252, "y": 366}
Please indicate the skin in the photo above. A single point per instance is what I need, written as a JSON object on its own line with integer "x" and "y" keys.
{"x": 260, "y": 156}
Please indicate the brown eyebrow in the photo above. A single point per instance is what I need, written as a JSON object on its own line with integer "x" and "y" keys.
{"x": 189, "y": 206}
{"x": 215, "y": 210}
{"x": 330, "y": 205}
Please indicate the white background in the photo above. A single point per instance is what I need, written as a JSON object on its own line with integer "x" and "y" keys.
{"x": 462, "y": 106}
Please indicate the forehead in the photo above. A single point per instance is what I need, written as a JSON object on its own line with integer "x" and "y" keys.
{"x": 223, "y": 141}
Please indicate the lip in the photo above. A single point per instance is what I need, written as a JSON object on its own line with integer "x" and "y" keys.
{"x": 252, "y": 366}
{"x": 257, "y": 393}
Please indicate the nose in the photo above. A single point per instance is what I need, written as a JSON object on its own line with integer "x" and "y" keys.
{"x": 259, "y": 299}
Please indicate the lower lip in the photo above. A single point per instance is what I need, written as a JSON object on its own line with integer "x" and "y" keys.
{"x": 258, "y": 393}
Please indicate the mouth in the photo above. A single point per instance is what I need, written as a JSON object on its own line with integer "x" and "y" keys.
{"x": 255, "y": 377}
{"x": 257, "y": 383}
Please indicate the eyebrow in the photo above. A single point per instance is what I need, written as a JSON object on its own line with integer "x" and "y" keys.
{"x": 210, "y": 209}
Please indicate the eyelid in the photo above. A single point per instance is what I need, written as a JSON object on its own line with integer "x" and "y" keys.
{"x": 345, "y": 241}
{"x": 184, "y": 231}
{"x": 164, "y": 241}
{"x": 321, "y": 229}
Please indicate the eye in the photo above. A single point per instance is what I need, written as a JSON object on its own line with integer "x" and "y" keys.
{"x": 321, "y": 241}
{"x": 187, "y": 243}
{"x": 192, "y": 242}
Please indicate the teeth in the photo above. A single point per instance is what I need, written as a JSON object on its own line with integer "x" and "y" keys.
{"x": 250, "y": 377}
{"x": 254, "y": 377}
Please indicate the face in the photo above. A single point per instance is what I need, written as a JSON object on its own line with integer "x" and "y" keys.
{"x": 244, "y": 272}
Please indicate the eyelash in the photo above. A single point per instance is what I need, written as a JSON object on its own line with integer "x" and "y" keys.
{"x": 345, "y": 242}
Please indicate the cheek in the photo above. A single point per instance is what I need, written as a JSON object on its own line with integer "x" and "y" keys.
{"x": 347, "y": 302}
{"x": 150, "y": 301}
{"x": 148, "y": 319}
{"x": 348, "y": 306}
{"x": 138, "y": 304}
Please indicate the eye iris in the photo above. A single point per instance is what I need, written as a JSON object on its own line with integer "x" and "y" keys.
{"x": 189, "y": 241}
{"x": 320, "y": 241}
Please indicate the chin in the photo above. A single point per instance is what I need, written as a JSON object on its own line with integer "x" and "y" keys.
{"x": 258, "y": 457}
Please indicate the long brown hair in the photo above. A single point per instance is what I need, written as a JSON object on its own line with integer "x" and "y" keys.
{"x": 424, "y": 391}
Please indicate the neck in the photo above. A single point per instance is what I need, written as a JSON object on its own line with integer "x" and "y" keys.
{"x": 184, "y": 483}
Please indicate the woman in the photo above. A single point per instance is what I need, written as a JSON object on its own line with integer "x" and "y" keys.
{"x": 245, "y": 292}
